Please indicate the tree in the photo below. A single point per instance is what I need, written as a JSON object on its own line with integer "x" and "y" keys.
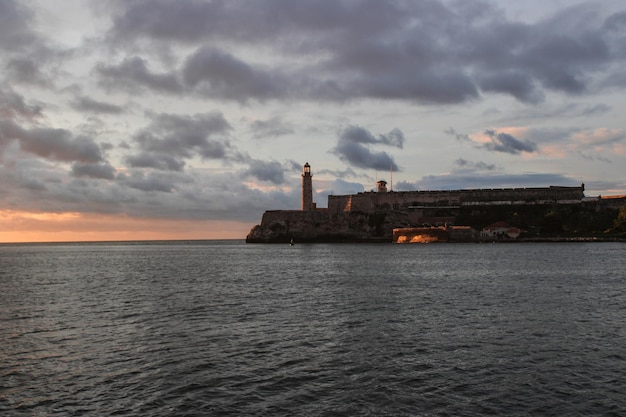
{"x": 551, "y": 224}
{"x": 620, "y": 221}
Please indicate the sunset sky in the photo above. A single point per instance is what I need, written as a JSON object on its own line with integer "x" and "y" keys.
{"x": 186, "y": 119}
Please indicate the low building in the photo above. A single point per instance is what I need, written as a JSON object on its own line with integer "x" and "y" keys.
{"x": 500, "y": 230}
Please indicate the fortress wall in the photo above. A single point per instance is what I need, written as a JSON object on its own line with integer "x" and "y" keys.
{"x": 524, "y": 194}
{"x": 337, "y": 204}
{"x": 613, "y": 202}
{"x": 372, "y": 201}
{"x": 293, "y": 216}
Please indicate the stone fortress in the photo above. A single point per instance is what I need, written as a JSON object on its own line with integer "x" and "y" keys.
{"x": 373, "y": 216}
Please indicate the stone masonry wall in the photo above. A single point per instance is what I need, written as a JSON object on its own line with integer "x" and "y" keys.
{"x": 293, "y": 216}
{"x": 371, "y": 201}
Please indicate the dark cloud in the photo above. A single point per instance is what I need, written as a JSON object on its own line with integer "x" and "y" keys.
{"x": 13, "y": 105}
{"x": 102, "y": 170}
{"x": 439, "y": 86}
{"x": 183, "y": 21}
{"x": 466, "y": 165}
{"x": 616, "y": 22}
{"x": 429, "y": 52}
{"x": 272, "y": 127}
{"x": 15, "y": 21}
{"x": 27, "y": 71}
{"x": 294, "y": 166}
{"x": 133, "y": 72}
{"x": 39, "y": 186}
{"x": 514, "y": 82}
{"x": 157, "y": 161}
{"x": 54, "y": 144}
{"x": 271, "y": 171}
{"x": 33, "y": 185}
{"x": 595, "y": 158}
{"x": 351, "y": 148}
{"x": 462, "y": 137}
{"x": 193, "y": 21}
{"x": 503, "y": 142}
{"x": 221, "y": 75}
{"x": 86, "y": 104}
{"x": 184, "y": 136}
{"x": 358, "y": 134}
{"x": 27, "y": 57}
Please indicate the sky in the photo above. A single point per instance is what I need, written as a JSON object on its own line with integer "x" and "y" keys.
{"x": 187, "y": 119}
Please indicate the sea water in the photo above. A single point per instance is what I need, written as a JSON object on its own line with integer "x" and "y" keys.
{"x": 224, "y": 328}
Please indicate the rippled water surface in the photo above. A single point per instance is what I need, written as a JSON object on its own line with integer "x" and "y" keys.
{"x": 225, "y": 328}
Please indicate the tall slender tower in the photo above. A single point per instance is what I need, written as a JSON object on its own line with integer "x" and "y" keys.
{"x": 307, "y": 188}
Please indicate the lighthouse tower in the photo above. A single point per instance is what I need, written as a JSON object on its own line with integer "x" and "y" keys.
{"x": 307, "y": 188}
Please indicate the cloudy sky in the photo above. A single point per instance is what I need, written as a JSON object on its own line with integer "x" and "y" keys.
{"x": 186, "y": 119}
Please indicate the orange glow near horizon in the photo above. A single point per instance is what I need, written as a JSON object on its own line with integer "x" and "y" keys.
{"x": 25, "y": 227}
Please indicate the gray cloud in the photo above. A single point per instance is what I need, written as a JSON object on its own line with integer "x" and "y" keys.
{"x": 27, "y": 56}
{"x": 27, "y": 71}
{"x": 430, "y": 52}
{"x": 13, "y": 105}
{"x": 616, "y": 22}
{"x": 272, "y": 127}
{"x": 545, "y": 112}
{"x": 150, "y": 182}
{"x": 358, "y": 134}
{"x": 466, "y": 165}
{"x": 184, "y": 136}
{"x": 157, "y": 161}
{"x": 520, "y": 85}
{"x": 271, "y": 171}
{"x": 221, "y": 75}
{"x": 192, "y": 21}
{"x": 351, "y": 148}
{"x": 54, "y": 144}
{"x": 503, "y": 142}
{"x": 163, "y": 19}
{"x": 461, "y": 137}
{"x": 15, "y": 21}
{"x": 102, "y": 170}
{"x": 39, "y": 186}
{"x": 133, "y": 73}
{"x": 87, "y": 104}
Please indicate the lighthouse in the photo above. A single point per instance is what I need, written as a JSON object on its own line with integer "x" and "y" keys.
{"x": 307, "y": 188}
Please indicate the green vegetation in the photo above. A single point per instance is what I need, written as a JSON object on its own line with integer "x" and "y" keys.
{"x": 550, "y": 220}
{"x": 620, "y": 221}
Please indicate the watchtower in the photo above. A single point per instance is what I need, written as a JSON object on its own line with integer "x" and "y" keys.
{"x": 307, "y": 188}
{"x": 381, "y": 186}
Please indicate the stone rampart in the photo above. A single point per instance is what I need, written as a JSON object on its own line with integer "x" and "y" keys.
{"x": 293, "y": 216}
{"x": 372, "y": 201}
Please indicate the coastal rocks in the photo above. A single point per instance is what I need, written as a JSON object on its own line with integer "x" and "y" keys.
{"x": 281, "y": 226}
